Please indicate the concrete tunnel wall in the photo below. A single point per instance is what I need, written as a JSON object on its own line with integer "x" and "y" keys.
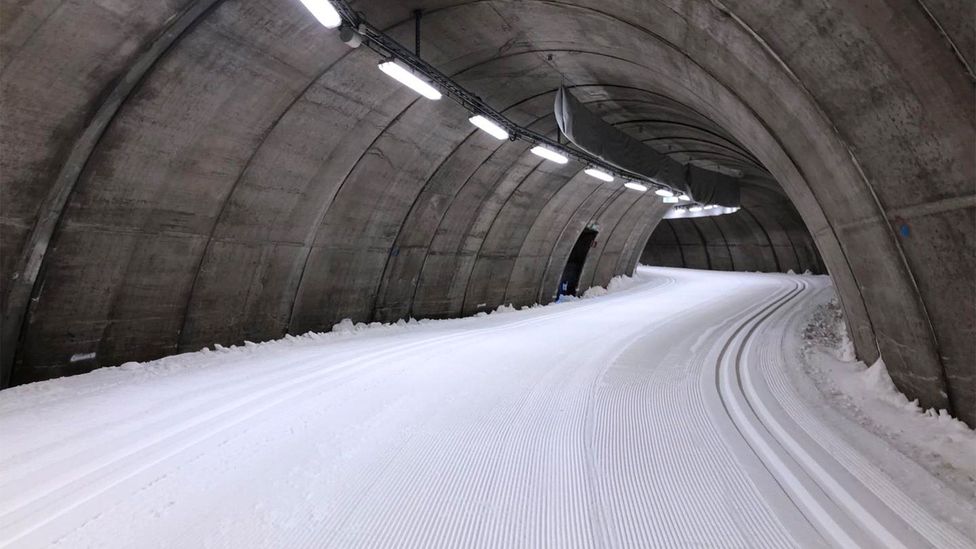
{"x": 766, "y": 235}
{"x": 190, "y": 172}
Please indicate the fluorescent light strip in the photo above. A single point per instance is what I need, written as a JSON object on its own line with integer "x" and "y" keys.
{"x": 409, "y": 79}
{"x": 549, "y": 154}
{"x": 324, "y": 12}
{"x": 599, "y": 174}
{"x": 695, "y": 209}
{"x": 684, "y": 197}
{"x": 670, "y": 199}
{"x": 663, "y": 192}
{"x": 489, "y": 127}
{"x": 635, "y": 186}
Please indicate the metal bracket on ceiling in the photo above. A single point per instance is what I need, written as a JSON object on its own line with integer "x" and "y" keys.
{"x": 416, "y": 32}
{"x": 388, "y": 48}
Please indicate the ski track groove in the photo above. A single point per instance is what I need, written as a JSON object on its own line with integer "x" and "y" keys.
{"x": 763, "y": 525}
{"x": 523, "y": 473}
{"x": 856, "y": 464}
{"x": 849, "y": 499}
{"x": 593, "y": 445}
{"x": 304, "y": 381}
{"x": 790, "y": 477}
{"x": 248, "y": 381}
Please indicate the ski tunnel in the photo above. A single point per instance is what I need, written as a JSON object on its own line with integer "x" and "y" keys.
{"x": 488, "y": 273}
{"x": 195, "y": 172}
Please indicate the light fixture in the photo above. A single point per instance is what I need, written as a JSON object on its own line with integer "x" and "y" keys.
{"x": 549, "y": 154}
{"x": 695, "y": 209}
{"x": 599, "y": 174}
{"x": 710, "y": 207}
{"x": 663, "y": 192}
{"x": 411, "y": 80}
{"x": 635, "y": 186}
{"x": 324, "y": 12}
{"x": 670, "y": 199}
{"x": 489, "y": 127}
{"x": 684, "y": 197}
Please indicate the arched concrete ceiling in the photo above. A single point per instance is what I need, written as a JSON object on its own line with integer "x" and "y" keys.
{"x": 191, "y": 172}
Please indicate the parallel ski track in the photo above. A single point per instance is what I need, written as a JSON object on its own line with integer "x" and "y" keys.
{"x": 849, "y": 501}
{"x": 854, "y": 481}
{"x": 795, "y": 483}
{"x": 509, "y": 476}
{"x": 95, "y": 472}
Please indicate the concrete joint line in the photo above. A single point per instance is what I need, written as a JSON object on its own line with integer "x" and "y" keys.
{"x": 952, "y": 45}
{"x": 51, "y": 212}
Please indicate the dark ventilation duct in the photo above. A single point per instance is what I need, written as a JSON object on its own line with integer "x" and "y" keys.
{"x": 708, "y": 187}
{"x": 591, "y": 133}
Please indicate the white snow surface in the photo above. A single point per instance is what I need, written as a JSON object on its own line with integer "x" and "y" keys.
{"x": 866, "y": 395}
{"x": 677, "y": 408}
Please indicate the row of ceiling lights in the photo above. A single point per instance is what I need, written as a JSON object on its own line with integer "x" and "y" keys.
{"x": 699, "y": 208}
{"x": 329, "y": 17}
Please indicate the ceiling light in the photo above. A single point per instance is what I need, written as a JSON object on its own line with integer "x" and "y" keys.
{"x": 695, "y": 209}
{"x": 599, "y": 174}
{"x": 549, "y": 154}
{"x": 489, "y": 127}
{"x": 710, "y": 207}
{"x": 684, "y": 197}
{"x": 409, "y": 79}
{"x": 663, "y": 192}
{"x": 670, "y": 199}
{"x": 635, "y": 186}
{"x": 324, "y": 12}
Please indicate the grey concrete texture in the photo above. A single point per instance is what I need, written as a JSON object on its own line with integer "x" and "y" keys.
{"x": 188, "y": 173}
{"x": 766, "y": 235}
{"x": 751, "y": 246}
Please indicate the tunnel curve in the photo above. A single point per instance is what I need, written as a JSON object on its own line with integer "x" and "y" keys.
{"x": 249, "y": 87}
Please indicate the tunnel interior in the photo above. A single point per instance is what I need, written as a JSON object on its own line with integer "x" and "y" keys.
{"x": 203, "y": 171}
{"x": 766, "y": 235}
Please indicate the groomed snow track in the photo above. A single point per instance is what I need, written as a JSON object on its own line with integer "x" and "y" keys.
{"x": 656, "y": 416}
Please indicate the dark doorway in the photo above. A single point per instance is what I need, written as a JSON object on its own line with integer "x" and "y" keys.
{"x": 574, "y": 266}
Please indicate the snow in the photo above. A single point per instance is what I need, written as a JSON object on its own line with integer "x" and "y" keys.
{"x": 945, "y": 446}
{"x": 674, "y": 408}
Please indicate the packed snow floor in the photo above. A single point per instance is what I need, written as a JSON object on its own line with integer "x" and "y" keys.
{"x": 681, "y": 409}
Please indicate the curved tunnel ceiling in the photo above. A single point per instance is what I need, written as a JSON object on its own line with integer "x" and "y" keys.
{"x": 184, "y": 173}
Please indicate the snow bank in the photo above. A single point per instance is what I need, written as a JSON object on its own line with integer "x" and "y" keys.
{"x": 933, "y": 438}
{"x": 220, "y": 355}
{"x": 827, "y": 328}
{"x": 877, "y": 384}
{"x": 617, "y": 284}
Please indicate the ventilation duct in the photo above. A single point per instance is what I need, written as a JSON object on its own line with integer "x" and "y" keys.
{"x": 591, "y": 133}
{"x": 708, "y": 187}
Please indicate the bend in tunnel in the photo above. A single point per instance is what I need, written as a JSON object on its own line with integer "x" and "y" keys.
{"x": 258, "y": 178}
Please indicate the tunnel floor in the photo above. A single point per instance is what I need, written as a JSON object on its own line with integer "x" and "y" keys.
{"x": 672, "y": 411}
